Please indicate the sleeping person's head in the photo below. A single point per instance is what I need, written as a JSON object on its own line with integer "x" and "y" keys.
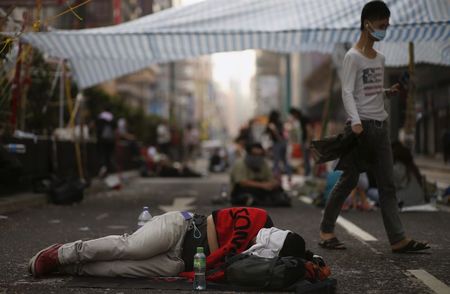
{"x": 294, "y": 245}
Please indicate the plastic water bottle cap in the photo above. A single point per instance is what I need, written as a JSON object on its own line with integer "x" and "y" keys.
{"x": 199, "y": 249}
{"x": 145, "y": 207}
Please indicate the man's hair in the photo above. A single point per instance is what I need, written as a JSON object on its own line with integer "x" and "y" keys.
{"x": 295, "y": 112}
{"x": 294, "y": 245}
{"x": 269, "y": 222}
{"x": 374, "y": 10}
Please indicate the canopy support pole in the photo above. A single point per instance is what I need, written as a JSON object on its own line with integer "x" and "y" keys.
{"x": 16, "y": 88}
{"x": 61, "y": 95}
{"x": 73, "y": 110}
{"x": 410, "y": 123}
{"x": 288, "y": 92}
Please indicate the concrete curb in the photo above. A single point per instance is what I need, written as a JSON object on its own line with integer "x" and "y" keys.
{"x": 20, "y": 201}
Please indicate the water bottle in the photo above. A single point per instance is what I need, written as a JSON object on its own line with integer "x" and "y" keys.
{"x": 199, "y": 270}
{"x": 16, "y": 148}
{"x": 434, "y": 195}
{"x": 144, "y": 217}
{"x": 224, "y": 192}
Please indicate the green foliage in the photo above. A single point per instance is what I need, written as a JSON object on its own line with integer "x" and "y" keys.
{"x": 5, "y": 85}
{"x": 39, "y": 116}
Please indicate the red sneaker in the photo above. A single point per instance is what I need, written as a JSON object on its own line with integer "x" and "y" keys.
{"x": 45, "y": 261}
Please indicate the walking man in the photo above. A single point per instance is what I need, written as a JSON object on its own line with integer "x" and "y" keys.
{"x": 362, "y": 95}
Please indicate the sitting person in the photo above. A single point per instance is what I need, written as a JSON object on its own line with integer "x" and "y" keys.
{"x": 407, "y": 178}
{"x": 359, "y": 192}
{"x": 218, "y": 161}
{"x": 165, "y": 246}
{"x": 252, "y": 181}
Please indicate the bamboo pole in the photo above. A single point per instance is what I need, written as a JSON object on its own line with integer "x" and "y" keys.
{"x": 73, "y": 109}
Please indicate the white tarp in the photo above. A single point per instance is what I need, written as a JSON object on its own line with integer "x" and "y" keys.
{"x": 101, "y": 54}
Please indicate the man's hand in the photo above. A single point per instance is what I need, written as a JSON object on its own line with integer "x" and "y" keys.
{"x": 266, "y": 186}
{"x": 269, "y": 185}
{"x": 394, "y": 90}
{"x": 357, "y": 129}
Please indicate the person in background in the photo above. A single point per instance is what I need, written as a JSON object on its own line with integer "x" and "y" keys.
{"x": 125, "y": 135}
{"x": 275, "y": 130}
{"x": 218, "y": 161}
{"x": 191, "y": 142}
{"x": 252, "y": 181}
{"x": 407, "y": 178}
{"x": 306, "y": 135}
{"x": 163, "y": 137}
{"x": 446, "y": 145}
{"x": 106, "y": 138}
{"x": 358, "y": 197}
{"x": 176, "y": 144}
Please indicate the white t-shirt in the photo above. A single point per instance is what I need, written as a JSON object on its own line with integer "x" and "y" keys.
{"x": 362, "y": 86}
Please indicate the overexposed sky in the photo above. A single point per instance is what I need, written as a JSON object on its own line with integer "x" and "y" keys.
{"x": 228, "y": 66}
{"x": 234, "y": 66}
{"x": 231, "y": 70}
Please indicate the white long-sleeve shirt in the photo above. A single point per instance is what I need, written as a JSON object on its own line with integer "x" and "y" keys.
{"x": 362, "y": 87}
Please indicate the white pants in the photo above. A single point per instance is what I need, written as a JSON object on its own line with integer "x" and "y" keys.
{"x": 153, "y": 250}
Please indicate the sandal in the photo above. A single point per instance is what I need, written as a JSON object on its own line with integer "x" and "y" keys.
{"x": 332, "y": 244}
{"x": 412, "y": 246}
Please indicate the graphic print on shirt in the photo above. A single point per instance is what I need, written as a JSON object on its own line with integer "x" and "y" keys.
{"x": 372, "y": 80}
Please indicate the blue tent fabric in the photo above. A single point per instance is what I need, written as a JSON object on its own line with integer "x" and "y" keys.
{"x": 101, "y": 54}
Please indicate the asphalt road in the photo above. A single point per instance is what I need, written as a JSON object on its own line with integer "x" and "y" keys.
{"x": 365, "y": 267}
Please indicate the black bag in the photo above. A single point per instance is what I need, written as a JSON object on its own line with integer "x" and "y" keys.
{"x": 66, "y": 191}
{"x": 276, "y": 273}
{"x": 11, "y": 168}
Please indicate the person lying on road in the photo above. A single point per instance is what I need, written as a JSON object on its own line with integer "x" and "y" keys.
{"x": 165, "y": 246}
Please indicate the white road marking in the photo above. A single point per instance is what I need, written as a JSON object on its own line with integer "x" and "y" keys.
{"x": 350, "y": 227}
{"x": 180, "y": 204}
{"x": 117, "y": 227}
{"x": 354, "y": 230}
{"x": 102, "y": 216}
{"x": 434, "y": 284}
{"x": 306, "y": 199}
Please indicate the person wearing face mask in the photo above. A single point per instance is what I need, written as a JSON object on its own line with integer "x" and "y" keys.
{"x": 362, "y": 95}
{"x": 253, "y": 183}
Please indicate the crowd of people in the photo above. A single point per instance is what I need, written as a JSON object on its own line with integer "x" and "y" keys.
{"x": 170, "y": 156}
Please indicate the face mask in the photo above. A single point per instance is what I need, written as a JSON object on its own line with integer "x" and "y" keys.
{"x": 378, "y": 34}
{"x": 254, "y": 162}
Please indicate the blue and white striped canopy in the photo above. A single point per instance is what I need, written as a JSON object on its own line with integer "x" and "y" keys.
{"x": 101, "y": 54}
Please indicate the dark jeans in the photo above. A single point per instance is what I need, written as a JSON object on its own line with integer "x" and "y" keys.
{"x": 280, "y": 156}
{"x": 306, "y": 160}
{"x": 261, "y": 197}
{"x": 376, "y": 135}
{"x": 106, "y": 150}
